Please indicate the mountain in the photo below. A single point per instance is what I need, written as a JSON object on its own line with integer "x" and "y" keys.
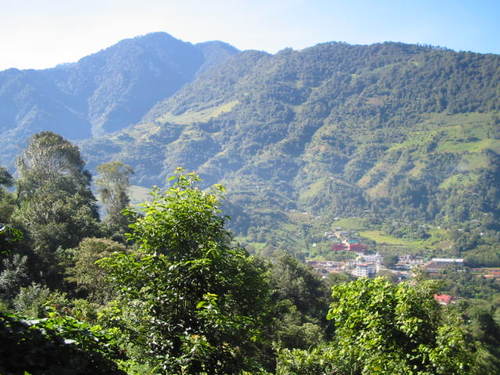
{"x": 403, "y": 138}
{"x": 101, "y": 93}
{"x": 404, "y": 131}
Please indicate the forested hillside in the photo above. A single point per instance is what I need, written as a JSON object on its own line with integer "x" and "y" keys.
{"x": 401, "y": 135}
{"x": 388, "y": 132}
{"x": 101, "y": 93}
{"x": 165, "y": 290}
{"x": 345, "y": 156}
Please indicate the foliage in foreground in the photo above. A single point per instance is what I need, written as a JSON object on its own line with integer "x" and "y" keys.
{"x": 199, "y": 302}
{"x": 385, "y": 328}
{"x": 56, "y": 345}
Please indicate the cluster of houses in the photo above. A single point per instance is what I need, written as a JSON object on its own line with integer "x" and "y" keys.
{"x": 368, "y": 265}
{"x": 364, "y": 265}
{"x": 488, "y": 272}
{"x": 437, "y": 265}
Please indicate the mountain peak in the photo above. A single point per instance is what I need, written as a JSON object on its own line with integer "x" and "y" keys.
{"x": 103, "y": 92}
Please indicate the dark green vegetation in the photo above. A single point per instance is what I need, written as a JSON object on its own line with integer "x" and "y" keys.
{"x": 112, "y": 186}
{"x": 177, "y": 295}
{"x": 382, "y": 328}
{"x": 55, "y": 345}
{"x": 391, "y": 132}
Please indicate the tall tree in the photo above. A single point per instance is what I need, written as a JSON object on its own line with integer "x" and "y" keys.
{"x": 13, "y": 263}
{"x": 6, "y": 200}
{"x": 113, "y": 183}
{"x": 5, "y": 177}
{"x": 384, "y": 328}
{"x": 56, "y": 205}
{"x": 300, "y": 302}
{"x": 88, "y": 275}
{"x": 200, "y": 300}
{"x": 48, "y": 158}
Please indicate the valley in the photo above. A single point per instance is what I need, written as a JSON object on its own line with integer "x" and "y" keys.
{"x": 177, "y": 208}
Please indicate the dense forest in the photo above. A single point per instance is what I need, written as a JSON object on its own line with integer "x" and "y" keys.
{"x": 115, "y": 260}
{"x": 397, "y": 135}
{"x": 163, "y": 288}
{"x": 402, "y": 138}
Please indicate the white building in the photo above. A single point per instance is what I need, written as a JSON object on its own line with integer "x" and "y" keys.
{"x": 364, "y": 270}
{"x": 374, "y": 258}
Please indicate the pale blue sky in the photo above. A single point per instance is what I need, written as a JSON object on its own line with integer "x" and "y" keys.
{"x": 43, "y": 33}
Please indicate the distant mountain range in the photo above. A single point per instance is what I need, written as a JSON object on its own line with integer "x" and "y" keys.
{"x": 406, "y": 131}
{"x": 101, "y": 93}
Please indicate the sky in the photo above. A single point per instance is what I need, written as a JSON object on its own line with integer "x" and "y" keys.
{"x": 43, "y": 33}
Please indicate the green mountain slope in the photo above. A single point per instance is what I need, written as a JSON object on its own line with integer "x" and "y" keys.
{"x": 399, "y": 130}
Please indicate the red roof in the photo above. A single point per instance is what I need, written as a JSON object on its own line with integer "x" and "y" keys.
{"x": 443, "y": 299}
{"x": 338, "y": 247}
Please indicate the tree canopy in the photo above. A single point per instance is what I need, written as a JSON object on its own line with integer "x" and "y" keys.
{"x": 112, "y": 185}
{"x": 200, "y": 300}
{"x": 386, "y": 328}
{"x": 56, "y": 205}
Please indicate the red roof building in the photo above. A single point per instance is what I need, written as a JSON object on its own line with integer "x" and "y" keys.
{"x": 443, "y": 299}
{"x": 339, "y": 247}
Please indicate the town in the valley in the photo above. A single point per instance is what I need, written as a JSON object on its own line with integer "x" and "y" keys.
{"x": 370, "y": 263}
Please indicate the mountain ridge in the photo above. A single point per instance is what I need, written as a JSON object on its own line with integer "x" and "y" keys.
{"x": 334, "y": 130}
{"x": 102, "y": 92}
{"x": 405, "y": 132}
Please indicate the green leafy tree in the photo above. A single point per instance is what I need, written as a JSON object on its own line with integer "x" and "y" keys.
{"x": 485, "y": 332}
{"x": 56, "y": 205}
{"x": 5, "y": 177}
{"x": 317, "y": 361}
{"x": 300, "y": 304}
{"x": 56, "y": 345}
{"x": 49, "y": 156}
{"x": 113, "y": 183}
{"x": 31, "y": 301}
{"x": 13, "y": 264}
{"x": 10, "y": 237}
{"x": 390, "y": 260}
{"x": 6, "y": 201}
{"x": 89, "y": 276}
{"x": 386, "y": 328}
{"x": 13, "y": 275}
{"x": 7, "y": 205}
{"x": 198, "y": 301}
